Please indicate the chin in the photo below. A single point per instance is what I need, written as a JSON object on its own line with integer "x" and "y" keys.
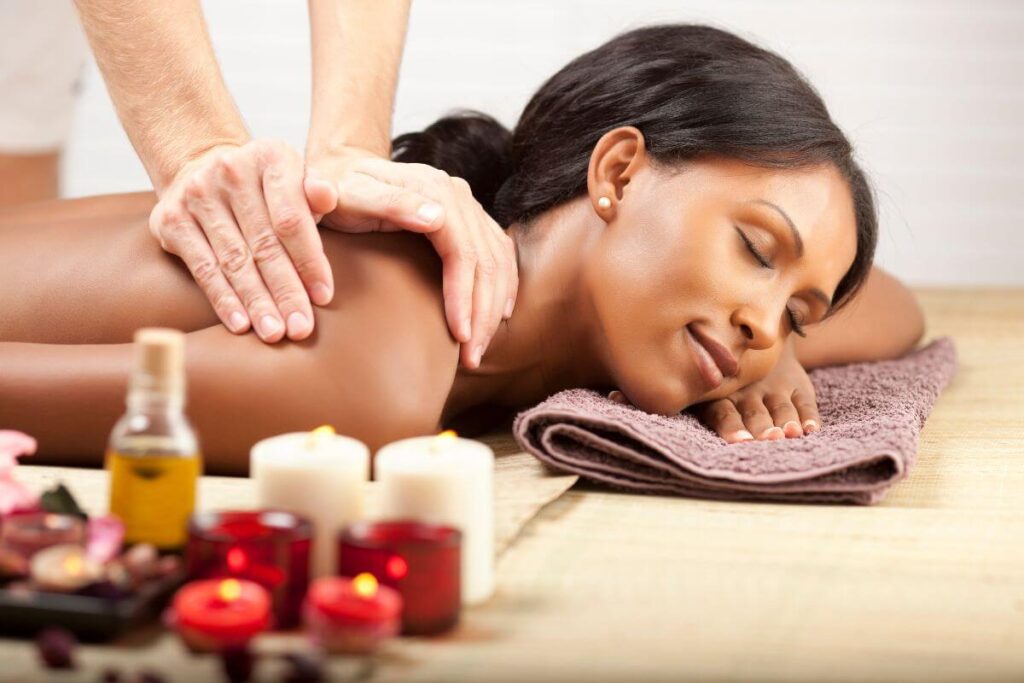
{"x": 659, "y": 399}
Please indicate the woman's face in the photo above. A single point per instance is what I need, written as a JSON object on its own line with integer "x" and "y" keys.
{"x": 673, "y": 255}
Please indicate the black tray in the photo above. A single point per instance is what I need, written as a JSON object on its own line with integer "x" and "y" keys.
{"x": 90, "y": 618}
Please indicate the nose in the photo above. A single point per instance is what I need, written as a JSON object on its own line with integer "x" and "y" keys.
{"x": 759, "y": 325}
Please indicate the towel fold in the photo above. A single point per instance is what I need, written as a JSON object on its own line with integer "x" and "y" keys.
{"x": 872, "y": 414}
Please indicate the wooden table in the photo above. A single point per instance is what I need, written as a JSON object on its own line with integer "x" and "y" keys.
{"x": 602, "y": 586}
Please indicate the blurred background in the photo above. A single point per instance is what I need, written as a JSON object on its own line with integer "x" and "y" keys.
{"x": 931, "y": 92}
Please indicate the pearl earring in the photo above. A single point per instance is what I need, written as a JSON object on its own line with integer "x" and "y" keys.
{"x": 604, "y": 203}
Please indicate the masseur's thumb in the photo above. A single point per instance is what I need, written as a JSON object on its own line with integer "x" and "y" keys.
{"x": 320, "y": 193}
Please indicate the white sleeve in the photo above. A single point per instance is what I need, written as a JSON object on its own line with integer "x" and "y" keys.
{"x": 42, "y": 52}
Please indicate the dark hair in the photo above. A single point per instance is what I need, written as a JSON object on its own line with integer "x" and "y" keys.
{"x": 692, "y": 90}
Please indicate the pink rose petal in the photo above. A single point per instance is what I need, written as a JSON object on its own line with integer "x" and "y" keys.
{"x": 15, "y": 496}
{"x": 106, "y": 534}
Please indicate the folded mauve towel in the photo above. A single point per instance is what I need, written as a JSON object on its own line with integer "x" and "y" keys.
{"x": 871, "y": 413}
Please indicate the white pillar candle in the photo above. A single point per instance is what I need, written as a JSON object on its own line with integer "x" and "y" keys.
{"x": 318, "y": 474}
{"x": 445, "y": 479}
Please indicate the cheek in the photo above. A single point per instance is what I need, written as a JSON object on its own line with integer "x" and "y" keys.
{"x": 637, "y": 293}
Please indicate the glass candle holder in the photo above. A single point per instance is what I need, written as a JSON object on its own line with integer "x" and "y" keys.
{"x": 421, "y": 561}
{"x": 26, "y": 533}
{"x": 351, "y": 615}
{"x": 268, "y": 547}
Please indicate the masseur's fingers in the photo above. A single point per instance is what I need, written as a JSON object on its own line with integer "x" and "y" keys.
{"x": 178, "y": 234}
{"x": 293, "y": 224}
{"x": 490, "y": 290}
{"x": 367, "y": 203}
{"x": 203, "y": 200}
{"x": 723, "y": 416}
{"x": 242, "y": 191}
{"x": 480, "y": 270}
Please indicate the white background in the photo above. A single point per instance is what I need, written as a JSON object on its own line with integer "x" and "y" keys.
{"x": 931, "y": 92}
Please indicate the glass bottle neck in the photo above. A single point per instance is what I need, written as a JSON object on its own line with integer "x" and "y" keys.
{"x": 146, "y": 401}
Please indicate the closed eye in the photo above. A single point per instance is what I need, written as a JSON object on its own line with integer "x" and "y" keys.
{"x": 797, "y": 327}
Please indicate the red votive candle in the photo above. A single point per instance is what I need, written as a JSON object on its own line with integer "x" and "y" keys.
{"x": 269, "y": 547}
{"x": 351, "y": 615}
{"x": 214, "y": 614}
{"x": 421, "y": 561}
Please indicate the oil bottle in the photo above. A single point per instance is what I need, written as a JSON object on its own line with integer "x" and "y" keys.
{"x": 153, "y": 454}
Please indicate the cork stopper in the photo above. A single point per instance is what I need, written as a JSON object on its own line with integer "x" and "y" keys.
{"x": 159, "y": 361}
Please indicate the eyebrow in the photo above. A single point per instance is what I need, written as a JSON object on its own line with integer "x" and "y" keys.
{"x": 799, "y": 246}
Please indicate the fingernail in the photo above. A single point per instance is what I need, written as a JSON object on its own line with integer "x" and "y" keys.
{"x": 321, "y": 294}
{"x": 810, "y": 425}
{"x": 297, "y": 322}
{"x": 269, "y": 325}
{"x": 767, "y": 431}
{"x": 796, "y": 426}
{"x": 238, "y": 321}
{"x": 478, "y": 353}
{"x": 428, "y": 213}
{"x": 744, "y": 435}
{"x": 508, "y": 308}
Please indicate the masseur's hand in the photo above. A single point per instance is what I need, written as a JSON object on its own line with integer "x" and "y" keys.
{"x": 780, "y": 405}
{"x": 481, "y": 275}
{"x": 239, "y": 219}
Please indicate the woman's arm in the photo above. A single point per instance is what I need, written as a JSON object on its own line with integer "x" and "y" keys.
{"x": 378, "y": 368}
{"x": 883, "y": 321}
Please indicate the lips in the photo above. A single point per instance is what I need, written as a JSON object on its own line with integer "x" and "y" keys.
{"x": 710, "y": 353}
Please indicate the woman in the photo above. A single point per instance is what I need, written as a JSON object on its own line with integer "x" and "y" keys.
{"x": 675, "y": 185}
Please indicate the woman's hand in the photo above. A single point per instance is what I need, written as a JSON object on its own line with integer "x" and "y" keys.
{"x": 780, "y": 405}
{"x": 481, "y": 276}
{"x": 239, "y": 219}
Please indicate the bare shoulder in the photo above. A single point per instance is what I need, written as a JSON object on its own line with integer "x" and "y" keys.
{"x": 385, "y": 330}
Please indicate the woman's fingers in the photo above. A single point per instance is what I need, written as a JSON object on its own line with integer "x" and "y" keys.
{"x": 282, "y": 173}
{"x": 245, "y": 196}
{"x": 723, "y": 416}
{"x": 807, "y": 407}
{"x": 757, "y": 418}
{"x": 784, "y": 414}
{"x": 179, "y": 235}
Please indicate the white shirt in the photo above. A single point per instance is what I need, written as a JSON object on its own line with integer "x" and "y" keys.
{"x": 42, "y": 52}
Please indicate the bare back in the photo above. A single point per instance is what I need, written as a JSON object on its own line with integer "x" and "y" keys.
{"x": 78, "y": 277}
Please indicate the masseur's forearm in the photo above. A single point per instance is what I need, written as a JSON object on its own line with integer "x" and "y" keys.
{"x": 164, "y": 80}
{"x": 883, "y": 321}
{"x": 357, "y": 48}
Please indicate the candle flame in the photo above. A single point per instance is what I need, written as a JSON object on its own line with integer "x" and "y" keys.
{"x": 365, "y": 585}
{"x": 229, "y": 590}
{"x": 73, "y": 565}
{"x": 447, "y": 436}
{"x": 318, "y": 434}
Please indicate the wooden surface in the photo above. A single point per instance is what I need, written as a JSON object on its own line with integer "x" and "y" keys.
{"x": 603, "y": 586}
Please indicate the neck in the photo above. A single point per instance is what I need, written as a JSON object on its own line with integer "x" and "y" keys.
{"x": 553, "y": 339}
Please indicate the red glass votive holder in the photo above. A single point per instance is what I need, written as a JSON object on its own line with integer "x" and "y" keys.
{"x": 25, "y": 533}
{"x": 421, "y": 561}
{"x": 268, "y": 547}
{"x": 213, "y": 615}
{"x": 351, "y": 615}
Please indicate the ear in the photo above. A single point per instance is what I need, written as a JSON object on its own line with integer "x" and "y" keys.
{"x": 615, "y": 160}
